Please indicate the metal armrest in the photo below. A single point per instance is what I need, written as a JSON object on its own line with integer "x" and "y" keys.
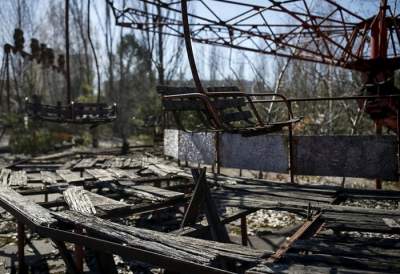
{"x": 283, "y": 99}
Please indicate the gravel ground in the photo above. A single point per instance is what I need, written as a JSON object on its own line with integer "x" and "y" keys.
{"x": 265, "y": 220}
{"x": 379, "y": 204}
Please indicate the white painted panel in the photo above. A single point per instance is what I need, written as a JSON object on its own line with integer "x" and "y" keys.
{"x": 171, "y": 143}
{"x": 197, "y": 147}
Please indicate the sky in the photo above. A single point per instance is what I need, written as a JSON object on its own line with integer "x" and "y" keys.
{"x": 240, "y": 58}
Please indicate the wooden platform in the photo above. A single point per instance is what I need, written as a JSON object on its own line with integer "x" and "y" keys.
{"x": 335, "y": 238}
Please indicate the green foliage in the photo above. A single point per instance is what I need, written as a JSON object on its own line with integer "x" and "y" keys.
{"x": 135, "y": 88}
{"x": 31, "y": 142}
{"x": 35, "y": 139}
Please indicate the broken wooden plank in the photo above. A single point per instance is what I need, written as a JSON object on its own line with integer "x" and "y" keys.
{"x": 69, "y": 176}
{"x": 127, "y": 163}
{"x": 179, "y": 247}
{"x": 380, "y": 264}
{"x": 229, "y": 198}
{"x": 87, "y": 202}
{"x": 123, "y": 173}
{"x": 86, "y": 163}
{"x": 338, "y": 246}
{"x": 297, "y": 268}
{"x": 104, "y": 203}
{"x": 122, "y": 162}
{"x": 78, "y": 200}
{"x": 4, "y": 174}
{"x": 155, "y": 193}
{"x": 392, "y": 223}
{"x": 281, "y": 193}
{"x": 101, "y": 174}
{"x": 22, "y": 206}
{"x": 18, "y": 179}
{"x": 49, "y": 178}
{"x": 167, "y": 170}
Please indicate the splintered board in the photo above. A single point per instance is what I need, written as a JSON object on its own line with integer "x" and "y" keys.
{"x": 347, "y": 156}
{"x": 13, "y": 201}
{"x": 69, "y": 176}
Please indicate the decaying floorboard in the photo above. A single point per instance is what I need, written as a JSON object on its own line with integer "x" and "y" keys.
{"x": 105, "y": 204}
{"x": 119, "y": 162}
{"x": 4, "y": 174}
{"x": 153, "y": 193}
{"x": 179, "y": 247}
{"x": 86, "y": 163}
{"x": 101, "y": 174}
{"x": 78, "y": 200}
{"x": 49, "y": 178}
{"x": 87, "y": 202}
{"x": 282, "y": 193}
{"x": 164, "y": 170}
{"x": 123, "y": 173}
{"x": 18, "y": 179}
{"x": 304, "y": 269}
{"x": 69, "y": 176}
{"x": 348, "y": 246}
{"x": 250, "y": 200}
{"x": 363, "y": 221}
{"x": 9, "y": 198}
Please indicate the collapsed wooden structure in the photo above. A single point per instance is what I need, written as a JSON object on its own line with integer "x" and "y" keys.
{"x": 91, "y": 189}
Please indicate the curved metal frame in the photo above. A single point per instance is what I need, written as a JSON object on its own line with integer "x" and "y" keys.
{"x": 199, "y": 86}
{"x": 189, "y": 48}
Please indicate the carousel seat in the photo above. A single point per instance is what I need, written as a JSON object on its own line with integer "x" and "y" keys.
{"x": 221, "y": 109}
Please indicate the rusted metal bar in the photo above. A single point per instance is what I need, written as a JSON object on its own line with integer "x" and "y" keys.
{"x": 189, "y": 48}
{"x": 309, "y": 228}
{"x": 291, "y": 148}
{"x": 398, "y": 139}
{"x": 339, "y": 98}
{"x": 66, "y": 255}
{"x": 78, "y": 252}
{"x": 8, "y": 87}
{"x": 243, "y": 230}
{"x": 67, "y": 54}
{"x": 218, "y": 152}
{"x": 378, "y": 131}
{"x": 21, "y": 238}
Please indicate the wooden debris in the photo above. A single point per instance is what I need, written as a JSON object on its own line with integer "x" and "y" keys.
{"x": 179, "y": 247}
{"x": 4, "y": 174}
{"x": 124, "y": 163}
{"x": 10, "y": 199}
{"x": 104, "y": 203}
{"x": 164, "y": 170}
{"x": 101, "y": 174}
{"x": 49, "y": 178}
{"x": 154, "y": 193}
{"x": 281, "y": 193}
{"x": 123, "y": 174}
{"x": 69, "y": 176}
{"x": 78, "y": 200}
{"x": 86, "y": 163}
{"x": 18, "y": 179}
{"x": 391, "y": 222}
